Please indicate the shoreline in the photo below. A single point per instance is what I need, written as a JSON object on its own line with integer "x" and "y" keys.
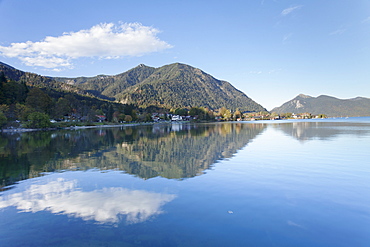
{"x": 22, "y": 130}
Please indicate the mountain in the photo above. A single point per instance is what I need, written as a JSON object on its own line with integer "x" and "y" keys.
{"x": 323, "y": 104}
{"x": 34, "y": 80}
{"x": 172, "y": 86}
{"x": 106, "y": 86}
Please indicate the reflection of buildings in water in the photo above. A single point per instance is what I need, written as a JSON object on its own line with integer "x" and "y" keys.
{"x": 302, "y": 131}
{"x": 176, "y": 127}
{"x": 181, "y": 126}
{"x": 172, "y": 127}
{"x": 106, "y": 205}
{"x": 299, "y": 130}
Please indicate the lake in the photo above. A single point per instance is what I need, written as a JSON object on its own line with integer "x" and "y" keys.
{"x": 261, "y": 183}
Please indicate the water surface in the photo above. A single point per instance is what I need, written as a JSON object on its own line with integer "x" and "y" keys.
{"x": 275, "y": 183}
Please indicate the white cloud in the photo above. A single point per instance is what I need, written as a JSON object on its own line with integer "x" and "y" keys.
{"x": 291, "y": 223}
{"x": 259, "y": 72}
{"x": 366, "y": 20}
{"x": 105, "y": 40}
{"x": 287, "y": 37}
{"x": 256, "y": 72}
{"x": 290, "y": 10}
{"x": 273, "y": 71}
{"x": 106, "y": 205}
{"x": 338, "y": 31}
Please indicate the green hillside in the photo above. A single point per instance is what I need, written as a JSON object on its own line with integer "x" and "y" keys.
{"x": 34, "y": 80}
{"x": 106, "y": 86}
{"x": 179, "y": 85}
{"x": 170, "y": 86}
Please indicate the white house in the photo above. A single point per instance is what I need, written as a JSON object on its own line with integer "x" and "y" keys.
{"x": 176, "y": 118}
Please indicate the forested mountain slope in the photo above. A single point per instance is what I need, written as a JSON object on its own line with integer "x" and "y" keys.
{"x": 180, "y": 85}
{"x": 171, "y": 86}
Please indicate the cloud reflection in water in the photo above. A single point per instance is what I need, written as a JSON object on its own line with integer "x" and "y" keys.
{"x": 105, "y": 205}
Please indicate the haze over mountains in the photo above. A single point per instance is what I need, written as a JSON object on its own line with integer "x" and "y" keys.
{"x": 170, "y": 86}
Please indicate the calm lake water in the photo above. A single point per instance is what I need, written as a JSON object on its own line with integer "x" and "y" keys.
{"x": 273, "y": 183}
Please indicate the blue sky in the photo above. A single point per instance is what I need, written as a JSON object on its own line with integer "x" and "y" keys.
{"x": 272, "y": 50}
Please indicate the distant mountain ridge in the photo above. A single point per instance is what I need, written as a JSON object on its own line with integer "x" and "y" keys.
{"x": 328, "y": 105}
{"x": 108, "y": 86}
{"x": 171, "y": 86}
{"x": 35, "y": 80}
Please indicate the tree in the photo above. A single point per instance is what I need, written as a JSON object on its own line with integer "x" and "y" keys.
{"x": 134, "y": 115}
{"x": 225, "y": 114}
{"x": 12, "y": 92}
{"x": 181, "y": 111}
{"x": 62, "y": 108}
{"x": 38, "y": 120}
{"x": 110, "y": 113}
{"x": 128, "y": 109}
{"x": 22, "y": 111}
{"x": 237, "y": 114}
{"x": 148, "y": 117}
{"x": 2, "y": 83}
{"x": 73, "y": 102}
{"x": 195, "y": 111}
{"x": 274, "y": 115}
{"x": 3, "y": 119}
{"x": 286, "y": 115}
{"x": 4, "y": 108}
{"x": 2, "y": 77}
{"x": 116, "y": 116}
{"x": 201, "y": 113}
{"x": 128, "y": 118}
{"x": 39, "y": 100}
{"x": 121, "y": 117}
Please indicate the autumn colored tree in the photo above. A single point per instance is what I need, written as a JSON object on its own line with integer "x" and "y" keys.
{"x": 237, "y": 114}
{"x": 225, "y": 114}
{"x": 128, "y": 118}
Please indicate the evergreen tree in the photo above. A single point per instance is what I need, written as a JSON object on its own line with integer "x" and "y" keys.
{"x": 3, "y": 119}
{"x": 181, "y": 111}
{"x": 110, "y": 113}
{"x": 2, "y": 82}
{"x": 39, "y": 100}
{"x": 62, "y": 108}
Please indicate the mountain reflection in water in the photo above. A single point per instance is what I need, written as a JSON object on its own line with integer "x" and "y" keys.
{"x": 174, "y": 151}
{"x": 300, "y": 183}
